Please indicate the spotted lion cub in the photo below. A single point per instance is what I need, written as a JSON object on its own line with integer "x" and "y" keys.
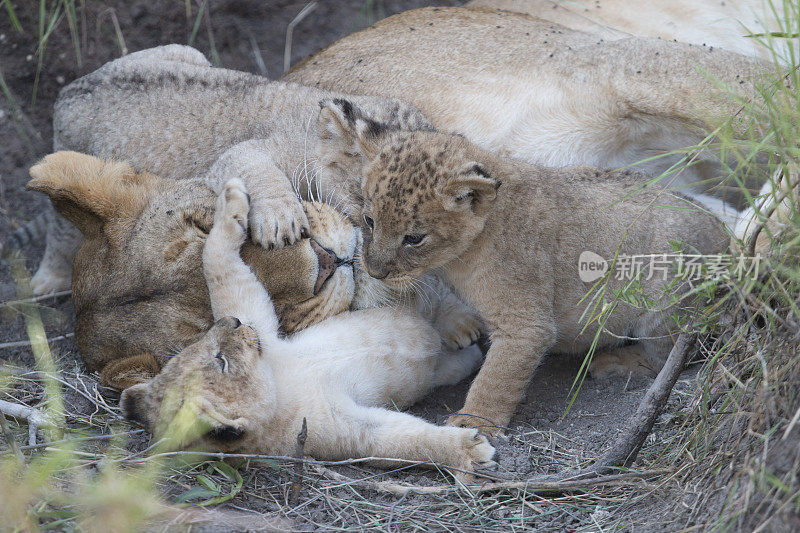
{"x": 250, "y": 389}
{"x": 435, "y": 201}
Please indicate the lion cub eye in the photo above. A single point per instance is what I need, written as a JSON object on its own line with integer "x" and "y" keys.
{"x": 223, "y": 362}
{"x": 413, "y": 240}
{"x": 369, "y": 222}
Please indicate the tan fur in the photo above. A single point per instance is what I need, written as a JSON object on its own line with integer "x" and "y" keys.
{"x": 243, "y": 388}
{"x": 721, "y": 24}
{"x": 509, "y": 82}
{"x": 507, "y": 236}
{"x": 138, "y": 289}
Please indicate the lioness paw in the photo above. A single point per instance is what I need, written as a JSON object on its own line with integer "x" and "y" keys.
{"x": 481, "y": 424}
{"x": 475, "y": 454}
{"x": 49, "y": 280}
{"x": 277, "y": 222}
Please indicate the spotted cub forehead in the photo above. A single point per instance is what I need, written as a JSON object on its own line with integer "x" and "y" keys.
{"x": 412, "y": 166}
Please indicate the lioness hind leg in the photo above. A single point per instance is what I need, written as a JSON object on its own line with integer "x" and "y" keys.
{"x": 623, "y": 361}
{"x": 55, "y": 271}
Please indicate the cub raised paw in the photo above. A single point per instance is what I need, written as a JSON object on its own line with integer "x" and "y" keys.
{"x": 233, "y": 206}
{"x": 474, "y": 454}
{"x": 277, "y": 222}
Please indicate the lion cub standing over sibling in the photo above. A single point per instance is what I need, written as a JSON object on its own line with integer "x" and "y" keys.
{"x": 508, "y": 235}
{"x": 242, "y": 387}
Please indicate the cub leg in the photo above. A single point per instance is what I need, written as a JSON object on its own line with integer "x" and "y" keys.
{"x": 377, "y": 432}
{"x": 234, "y": 289}
{"x": 458, "y": 324}
{"x": 643, "y": 358}
{"x": 501, "y": 382}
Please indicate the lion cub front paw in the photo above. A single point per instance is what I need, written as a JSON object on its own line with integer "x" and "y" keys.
{"x": 474, "y": 454}
{"x": 233, "y": 206}
{"x": 277, "y": 222}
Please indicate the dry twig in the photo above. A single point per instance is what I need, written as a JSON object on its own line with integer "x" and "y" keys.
{"x": 625, "y": 449}
{"x": 34, "y": 417}
{"x": 540, "y": 484}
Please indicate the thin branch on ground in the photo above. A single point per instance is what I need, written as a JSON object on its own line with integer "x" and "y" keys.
{"x": 35, "y": 299}
{"x": 33, "y": 416}
{"x": 18, "y": 344}
{"x": 540, "y": 484}
{"x": 625, "y": 449}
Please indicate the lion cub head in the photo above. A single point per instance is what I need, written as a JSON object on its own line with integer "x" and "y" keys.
{"x": 204, "y": 397}
{"x": 138, "y": 285}
{"x": 425, "y": 198}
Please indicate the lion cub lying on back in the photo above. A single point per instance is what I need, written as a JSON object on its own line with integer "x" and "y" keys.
{"x": 433, "y": 200}
{"x": 250, "y": 389}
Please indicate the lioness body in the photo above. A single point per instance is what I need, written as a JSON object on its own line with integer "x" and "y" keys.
{"x": 509, "y": 82}
{"x": 508, "y": 237}
{"x": 726, "y": 24}
{"x": 254, "y": 390}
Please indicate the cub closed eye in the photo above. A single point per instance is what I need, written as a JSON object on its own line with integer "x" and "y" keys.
{"x": 413, "y": 240}
{"x": 369, "y": 222}
{"x": 223, "y": 362}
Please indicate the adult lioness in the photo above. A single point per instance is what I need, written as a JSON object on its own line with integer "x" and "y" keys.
{"x": 139, "y": 293}
{"x": 507, "y": 81}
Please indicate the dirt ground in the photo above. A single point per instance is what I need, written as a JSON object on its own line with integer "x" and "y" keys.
{"x": 541, "y": 440}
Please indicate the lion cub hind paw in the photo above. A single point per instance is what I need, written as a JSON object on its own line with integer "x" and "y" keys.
{"x": 234, "y": 206}
{"x": 475, "y": 454}
{"x": 620, "y": 363}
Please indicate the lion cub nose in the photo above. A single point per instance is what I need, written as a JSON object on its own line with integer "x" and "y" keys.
{"x": 328, "y": 262}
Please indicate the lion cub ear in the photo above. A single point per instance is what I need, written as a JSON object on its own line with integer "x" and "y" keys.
{"x": 346, "y": 127}
{"x": 87, "y": 190}
{"x": 470, "y": 188}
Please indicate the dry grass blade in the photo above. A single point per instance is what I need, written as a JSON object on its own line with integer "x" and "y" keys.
{"x": 287, "y": 49}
